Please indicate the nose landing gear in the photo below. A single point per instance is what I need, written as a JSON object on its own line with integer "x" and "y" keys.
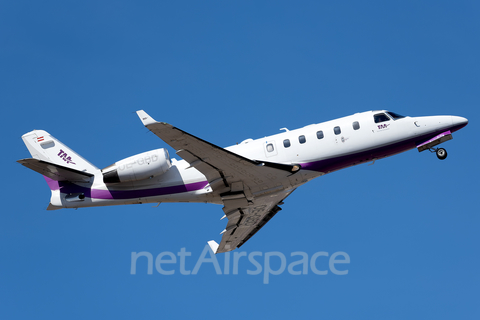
{"x": 441, "y": 153}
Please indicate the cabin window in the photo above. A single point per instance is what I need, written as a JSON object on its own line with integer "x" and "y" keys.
{"x": 356, "y": 125}
{"x": 286, "y": 143}
{"x": 270, "y": 147}
{"x": 337, "y": 130}
{"x": 320, "y": 134}
{"x": 302, "y": 139}
{"x": 380, "y": 117}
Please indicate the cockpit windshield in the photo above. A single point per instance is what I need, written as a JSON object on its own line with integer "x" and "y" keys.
{"x": 380, "y": 117}
{"x": 395, "y": 116}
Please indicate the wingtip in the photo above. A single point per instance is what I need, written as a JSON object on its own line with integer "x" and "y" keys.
{"x": 213, "y": 245}
{"x": 145, "y": 118}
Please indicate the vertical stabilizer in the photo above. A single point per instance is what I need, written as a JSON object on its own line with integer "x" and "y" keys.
{"x": 43, "y": 146}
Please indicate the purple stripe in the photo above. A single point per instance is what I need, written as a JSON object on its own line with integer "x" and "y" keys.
{"x": 458, "y": 127}
{"x": 52, "y": 184}
{"x": 337, "y": 163}
{"x": 131, "y": 194}
{"x": 441, "y": 135}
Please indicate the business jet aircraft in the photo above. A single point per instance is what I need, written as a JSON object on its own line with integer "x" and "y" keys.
{"x": 250, "y": 179}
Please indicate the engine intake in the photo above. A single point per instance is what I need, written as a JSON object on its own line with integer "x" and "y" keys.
{"x": 138, "y": 167}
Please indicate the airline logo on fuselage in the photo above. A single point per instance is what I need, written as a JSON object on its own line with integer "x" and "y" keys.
{"x": 383, "y": 126}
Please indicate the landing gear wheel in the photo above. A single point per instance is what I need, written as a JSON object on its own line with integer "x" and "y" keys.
{"x": 441, "y": 153}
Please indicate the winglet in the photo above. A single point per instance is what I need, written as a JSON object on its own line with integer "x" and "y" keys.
{"x": 213, "y": 245}
{"x": 145, "y": 118}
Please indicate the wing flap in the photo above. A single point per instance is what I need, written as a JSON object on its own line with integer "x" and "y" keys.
{"x": 55, "y": 172}
{"x": 244, "y": 222}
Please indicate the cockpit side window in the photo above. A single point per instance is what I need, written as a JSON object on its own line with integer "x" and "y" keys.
{"x": 380, "y": 117}
{"x": 395, "y": 116}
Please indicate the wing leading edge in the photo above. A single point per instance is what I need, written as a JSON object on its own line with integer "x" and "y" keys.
{"x": 250, "y": 190}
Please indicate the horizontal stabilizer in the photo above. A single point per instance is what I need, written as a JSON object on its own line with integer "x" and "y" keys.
{"x": 52, "y": 207}
{"x": 56, "y": 172}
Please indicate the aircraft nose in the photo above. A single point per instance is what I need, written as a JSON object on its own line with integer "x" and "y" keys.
{"x": 459, "y": 122}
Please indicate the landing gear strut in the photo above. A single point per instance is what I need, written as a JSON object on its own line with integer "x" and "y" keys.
{"x": 441, "y": 153}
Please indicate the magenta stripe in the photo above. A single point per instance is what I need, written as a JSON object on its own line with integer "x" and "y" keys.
{"x": 443, "y": 134}
{"x": 337, "y": 163}
{"x": 129, "y": 194}
{"x": 52, "y": 184}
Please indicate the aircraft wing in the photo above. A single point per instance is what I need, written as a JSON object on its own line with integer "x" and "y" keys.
{"x": 250, "y": 189}
{"x": 244, "y": 222}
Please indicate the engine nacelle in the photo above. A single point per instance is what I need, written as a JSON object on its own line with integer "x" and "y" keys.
{"x": 138, "y": 167}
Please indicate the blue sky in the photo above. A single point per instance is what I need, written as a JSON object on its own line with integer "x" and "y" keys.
{"x": 226, "y": 71}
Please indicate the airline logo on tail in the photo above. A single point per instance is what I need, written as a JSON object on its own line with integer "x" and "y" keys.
{"x": 65, "y": 157}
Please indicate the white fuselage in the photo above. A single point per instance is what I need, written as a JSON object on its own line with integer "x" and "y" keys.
{"x": 318, "y": 148}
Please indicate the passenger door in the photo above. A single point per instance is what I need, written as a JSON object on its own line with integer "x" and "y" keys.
{"x": 270, "y": 149}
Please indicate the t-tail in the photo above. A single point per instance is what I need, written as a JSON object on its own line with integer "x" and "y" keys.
{"x": 56, "y": 162}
